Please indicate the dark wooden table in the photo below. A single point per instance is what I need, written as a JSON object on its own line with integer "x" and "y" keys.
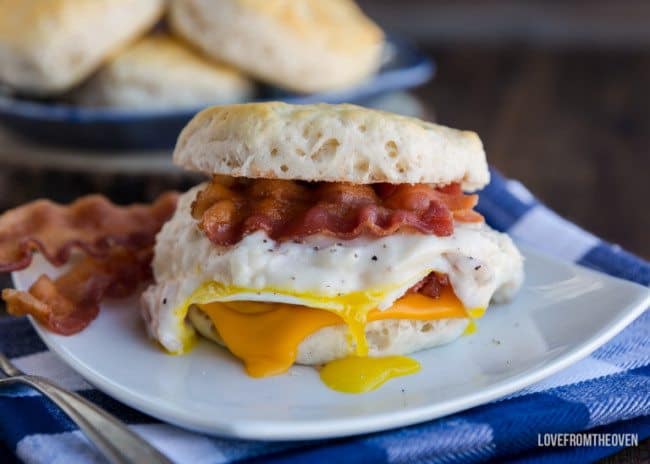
{"x": 573, "y": 126}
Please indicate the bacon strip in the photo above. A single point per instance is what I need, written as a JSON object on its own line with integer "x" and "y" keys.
{"x": 431, "y": 285}
{"x": 118, "y": 243}
{"x": 91, "y": 223}
{"x": 68, "y": 304}
{"x": 292, "y": 210}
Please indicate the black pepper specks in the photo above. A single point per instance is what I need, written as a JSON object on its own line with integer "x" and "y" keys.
{"x": 265, "y": 241}
{"x": 356, "y": 255}
{"x": 164, "y": 300}
{"x": 384, "y": 246}
{"x": 316, "y": 248}
{"x": 374, "y": 258}
{"x": 476, "y": 268}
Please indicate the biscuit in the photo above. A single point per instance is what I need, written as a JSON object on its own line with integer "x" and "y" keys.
{"x": 160, "y": 72}
{"x": 330, "y": 143}
{"x": 305, "y": 46}
{"x": 48, "y": 46}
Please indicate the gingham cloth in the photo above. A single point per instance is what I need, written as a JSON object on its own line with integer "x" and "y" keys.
{"x": 607, "y": 392}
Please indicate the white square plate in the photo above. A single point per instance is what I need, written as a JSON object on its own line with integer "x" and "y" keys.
{"x": 563, "y": 313}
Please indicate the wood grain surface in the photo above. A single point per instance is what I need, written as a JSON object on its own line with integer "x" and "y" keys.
{"x": 573, "y": 126}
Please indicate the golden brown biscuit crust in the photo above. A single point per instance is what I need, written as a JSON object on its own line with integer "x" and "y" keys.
{"x": 331, "y": 143}
{"x": 48, "y": 46}
{"x": 305, "y": 46}
{"x": 160, "y": 72}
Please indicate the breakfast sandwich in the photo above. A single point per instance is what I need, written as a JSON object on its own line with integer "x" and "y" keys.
{"x": 160, "y": 72}
{"x": 304, "y": 46}
{"x": 48, "y": 46}
{"x": 328, "y": 235}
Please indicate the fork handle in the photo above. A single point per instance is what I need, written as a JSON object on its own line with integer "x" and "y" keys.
{"x": 118, "y": 444}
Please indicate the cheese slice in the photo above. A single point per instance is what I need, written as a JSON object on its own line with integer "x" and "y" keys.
{"x": 422, "y": 308}
{"x": 267, "y": 342}
{"x": 266, "y": 336}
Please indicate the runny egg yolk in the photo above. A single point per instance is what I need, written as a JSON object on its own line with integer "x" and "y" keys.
{"x": 266, "y": 336}
{"x": 355, "y": 374}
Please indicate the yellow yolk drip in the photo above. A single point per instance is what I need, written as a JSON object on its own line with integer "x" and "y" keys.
{"x": 356, "y": 322}
{"x": 471, "y": 328}
{"x": 475, "y": 313}
{"x": 266, "y": 336}
{"x": 360, "y": 375}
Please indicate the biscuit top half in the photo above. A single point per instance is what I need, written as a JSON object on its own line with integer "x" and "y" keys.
{"x": 329, "y": 143}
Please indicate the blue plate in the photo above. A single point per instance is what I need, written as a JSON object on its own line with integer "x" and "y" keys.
{"x": 121, "y": 129}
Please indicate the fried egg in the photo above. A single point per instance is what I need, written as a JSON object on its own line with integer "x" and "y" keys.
{"x": 349, "y": 278}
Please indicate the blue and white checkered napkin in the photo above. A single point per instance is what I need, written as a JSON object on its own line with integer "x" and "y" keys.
{"x": 607, "y": 392}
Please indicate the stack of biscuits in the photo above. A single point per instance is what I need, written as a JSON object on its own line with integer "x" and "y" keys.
{"x": 159, "y": 54}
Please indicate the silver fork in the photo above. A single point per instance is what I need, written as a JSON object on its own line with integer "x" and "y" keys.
{"x": 113, "y": 439}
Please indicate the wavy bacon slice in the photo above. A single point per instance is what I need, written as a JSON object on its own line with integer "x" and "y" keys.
{"x": 91, "y": 223}
{"x": 69, "y": 303}
{"x": 292, "y": 210}
{"x": 118, "y": 246}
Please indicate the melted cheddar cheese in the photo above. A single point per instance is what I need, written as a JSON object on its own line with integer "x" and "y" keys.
{"x": 266, "y": 336}
{"x": 266, "y": 341}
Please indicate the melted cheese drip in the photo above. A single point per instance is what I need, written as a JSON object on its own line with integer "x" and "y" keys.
{"x": 266, "y": 341}
{"x": 360, "y": 375}
{"x": 266, "y": 336}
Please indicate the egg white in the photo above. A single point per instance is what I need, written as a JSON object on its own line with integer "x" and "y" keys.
{"x": 320, "y": 272}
